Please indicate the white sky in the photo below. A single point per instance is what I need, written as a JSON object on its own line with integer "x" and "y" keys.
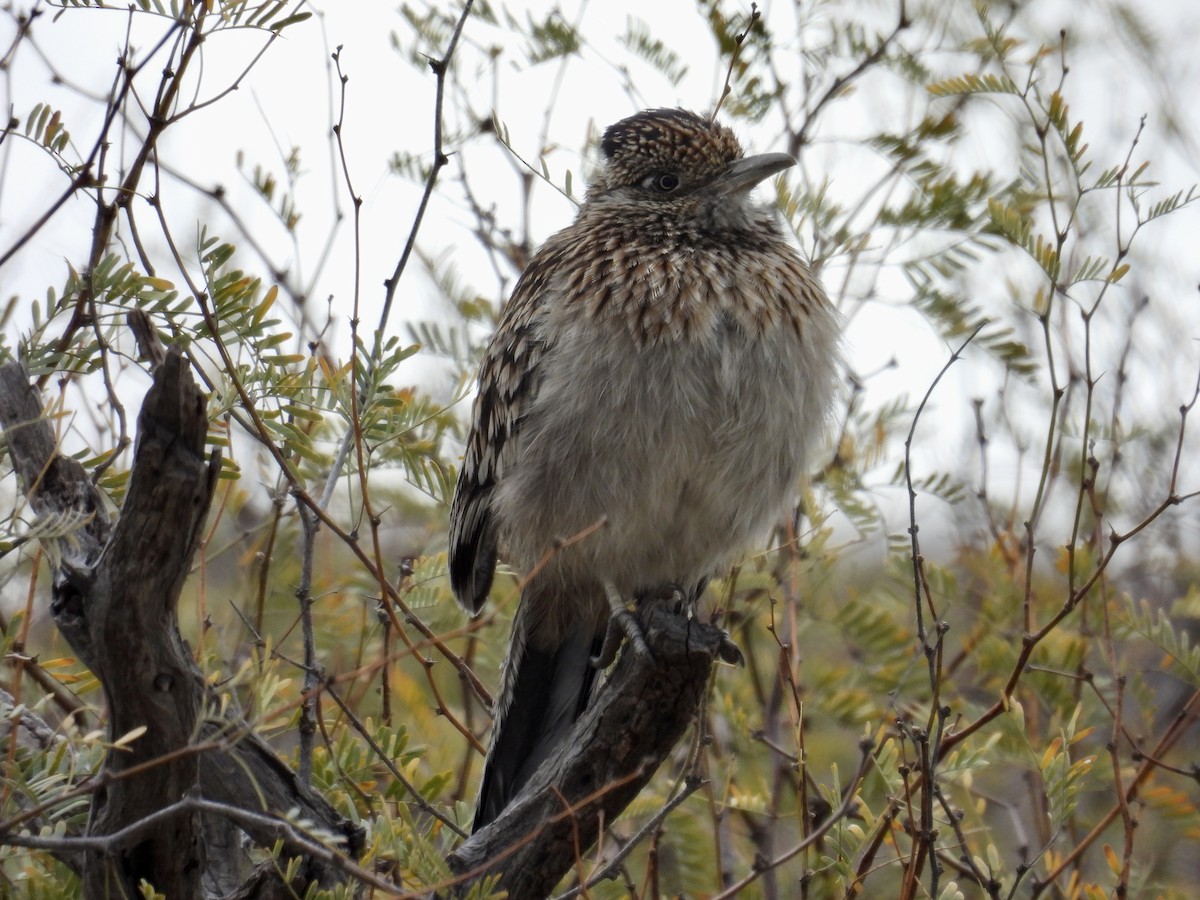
{"x": 286, "y": 101}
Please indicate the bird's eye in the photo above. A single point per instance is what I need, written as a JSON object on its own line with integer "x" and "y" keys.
{"x": 664, "y": 182}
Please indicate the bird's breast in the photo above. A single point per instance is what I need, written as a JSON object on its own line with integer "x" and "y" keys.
{"x": 685, "y": 435}
{"x": 681, "y": 290}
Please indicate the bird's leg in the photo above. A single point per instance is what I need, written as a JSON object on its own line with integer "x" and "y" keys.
{"x": 621, "y": 623}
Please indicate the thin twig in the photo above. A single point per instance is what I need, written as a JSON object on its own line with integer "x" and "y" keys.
{"x": 282, "y": 828}
{"x": 849, "y": 799}
{"x": 440, "y": 67}
{"x": 800, "y": 138}
{"x": 913, "y": 528}
{"x": 610, "y": 871}
{"x": 307, "y": 726}
{"x": 420, "y": 801}
{"x": 738, "y": 40}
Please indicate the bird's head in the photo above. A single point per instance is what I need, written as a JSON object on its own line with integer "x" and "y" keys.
{"x": 675, "y": 163}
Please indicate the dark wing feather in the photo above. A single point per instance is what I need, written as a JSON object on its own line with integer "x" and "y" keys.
{"x": 543, "y": 693}
{"x": 508, "y": 382}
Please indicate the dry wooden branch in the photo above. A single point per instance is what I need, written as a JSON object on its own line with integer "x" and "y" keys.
{"x": 637, "y": 717}
{"x": 115, "y": 592}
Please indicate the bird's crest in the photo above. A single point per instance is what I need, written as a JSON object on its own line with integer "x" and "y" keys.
{"x": 655, "y": 139}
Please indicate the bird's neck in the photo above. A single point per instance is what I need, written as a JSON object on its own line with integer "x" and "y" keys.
{"x": 700, "y": 227}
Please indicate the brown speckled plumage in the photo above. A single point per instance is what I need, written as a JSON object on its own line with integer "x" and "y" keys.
{"x": 663, "y": 366}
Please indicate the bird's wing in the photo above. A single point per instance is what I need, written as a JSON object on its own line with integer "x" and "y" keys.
{"x": 509, "y": 378}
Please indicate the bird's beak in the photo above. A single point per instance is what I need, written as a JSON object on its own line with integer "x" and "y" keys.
{"x": 743, "y": 174}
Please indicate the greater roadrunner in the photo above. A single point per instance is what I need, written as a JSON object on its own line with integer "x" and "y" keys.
{"x": 644, "y": 413}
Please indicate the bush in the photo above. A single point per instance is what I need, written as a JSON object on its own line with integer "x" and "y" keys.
{"x": 970, "y": 657}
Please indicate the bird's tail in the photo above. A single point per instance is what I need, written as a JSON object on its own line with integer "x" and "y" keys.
{"x": 546, "y": 686}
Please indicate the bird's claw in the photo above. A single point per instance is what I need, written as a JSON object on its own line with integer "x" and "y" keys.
{"x": 730, "y": 652}
{"x": 622, "y": 623}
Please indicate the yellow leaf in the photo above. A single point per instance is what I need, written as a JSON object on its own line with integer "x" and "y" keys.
{"x": 1114, "y": 862}
{"x": 1040, "y": 304}
{"x": 1081, "y": 735}
{"x": 1051, "y": 752}
{"x": 57, "y": 663}
{"x": 130, "y": 736}
{"x": 268, "y": 301}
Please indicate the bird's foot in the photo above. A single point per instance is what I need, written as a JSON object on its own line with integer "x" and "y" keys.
{"x": 622, "y": 623}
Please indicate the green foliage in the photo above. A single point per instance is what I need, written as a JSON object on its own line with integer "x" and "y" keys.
{"x": 640, "y": 40}
{"x": 1180, "y": 656}
{"x": 550, "y": 38}
{"x": 1011, "y": 665}
{"x": 45, "y": 126}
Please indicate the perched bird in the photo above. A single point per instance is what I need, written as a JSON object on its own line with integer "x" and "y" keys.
{"x": 645, "y": 411}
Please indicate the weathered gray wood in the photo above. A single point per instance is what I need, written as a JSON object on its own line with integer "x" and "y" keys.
{"x": 149, "y": 678}
{"x": 115, "y": 590}
{"x": 637, "y": 717}
{"x": 250, "y": 775}
{"x": 58, "y": 489}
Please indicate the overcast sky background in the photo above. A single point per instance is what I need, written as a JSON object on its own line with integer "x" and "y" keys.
{"x": 287, "y": 101}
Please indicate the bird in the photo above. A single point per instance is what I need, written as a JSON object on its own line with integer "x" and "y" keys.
{"x": 646, "y": 408}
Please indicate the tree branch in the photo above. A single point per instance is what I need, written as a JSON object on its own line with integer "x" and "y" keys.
{"x": 115, "y": 595}
{"x": 638, "y": 716}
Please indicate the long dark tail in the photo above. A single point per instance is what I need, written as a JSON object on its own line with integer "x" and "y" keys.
{"x": 545, "y": 687}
